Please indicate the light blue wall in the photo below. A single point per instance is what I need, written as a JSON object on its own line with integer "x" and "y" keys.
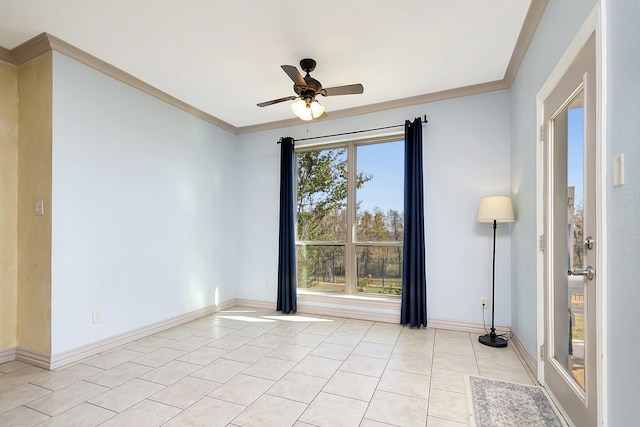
{"x": 622, "y": 112}
{"x": 152, "y": 212}
{"x": 135, "y": 178}
{"x": 143, "y": 215}
{"x": 623, "y": 207}
{"x": 559, "y": 25}
{"x": 466, "y": 156}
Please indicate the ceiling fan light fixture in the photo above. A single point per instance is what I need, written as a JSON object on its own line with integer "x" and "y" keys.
{"x": 316, "y": 109}
{"x": 307, "y": 88}
{"x": 307, "y": 109}
{"x": 299, "y": 108}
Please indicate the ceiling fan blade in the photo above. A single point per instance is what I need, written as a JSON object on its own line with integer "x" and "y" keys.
{"x": 294, "y": 75}
{"x": 276, "y": 101}
{"x": 343, "y": 90}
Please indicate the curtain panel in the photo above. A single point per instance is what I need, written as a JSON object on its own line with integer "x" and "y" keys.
{"x": 287, "y": 297}
{"x": 414, "y": 282}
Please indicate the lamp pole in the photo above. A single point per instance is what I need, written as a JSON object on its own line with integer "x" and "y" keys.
{"x": 494, "y": 209}
{"x": 492, "y": 339}
{"x": 493, "y": 285}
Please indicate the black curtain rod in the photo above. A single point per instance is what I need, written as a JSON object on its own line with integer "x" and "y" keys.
{"x": 424, "y": 121}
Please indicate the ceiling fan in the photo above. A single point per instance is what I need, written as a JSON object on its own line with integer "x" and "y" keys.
{"x": 307, "y": 88}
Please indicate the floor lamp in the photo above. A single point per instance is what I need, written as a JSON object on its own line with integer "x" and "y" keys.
{"x": 494, "y": 209}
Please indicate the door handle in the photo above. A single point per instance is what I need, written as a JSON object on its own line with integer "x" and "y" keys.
{"x": 586, "y": 272}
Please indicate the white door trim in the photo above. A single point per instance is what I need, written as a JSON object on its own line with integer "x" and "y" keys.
{"x": 592, "y": 24}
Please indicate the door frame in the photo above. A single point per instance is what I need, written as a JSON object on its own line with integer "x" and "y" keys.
{"x": 592, "y": 25}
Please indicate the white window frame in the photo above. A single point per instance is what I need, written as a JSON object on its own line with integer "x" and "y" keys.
{"x": 350, "y": 244}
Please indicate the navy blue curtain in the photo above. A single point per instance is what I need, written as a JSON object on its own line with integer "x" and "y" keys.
{"x": 414, "y": 278}
{"x": 287, "y": 298}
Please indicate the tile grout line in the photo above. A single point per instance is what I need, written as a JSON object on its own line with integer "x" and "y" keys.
{"x": 287, "y": 337}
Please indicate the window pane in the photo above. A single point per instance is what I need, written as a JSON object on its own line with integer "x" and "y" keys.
{"x": 379, "y": 270}
{"x": 321, "y": 267}
{"x": 380, "y": 192}
{"x": 321, "y": 201}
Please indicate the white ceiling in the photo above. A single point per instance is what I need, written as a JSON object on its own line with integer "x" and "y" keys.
{"x": 223, "y": 57}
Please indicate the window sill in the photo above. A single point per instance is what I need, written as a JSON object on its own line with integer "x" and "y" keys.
{"x": 389, "y": 302}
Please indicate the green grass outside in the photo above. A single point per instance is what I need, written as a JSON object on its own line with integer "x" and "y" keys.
{"x": 578, "y": 326}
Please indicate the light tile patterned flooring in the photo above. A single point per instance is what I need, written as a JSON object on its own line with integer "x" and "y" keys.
{"x": 251, "y": 367}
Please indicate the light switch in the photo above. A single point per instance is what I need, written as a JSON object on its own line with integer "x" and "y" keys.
{"x": 39, "y": 207}
{"x": 618, "y": 170}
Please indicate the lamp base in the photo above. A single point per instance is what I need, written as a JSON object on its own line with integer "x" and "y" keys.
{"x": 492, "y": 341}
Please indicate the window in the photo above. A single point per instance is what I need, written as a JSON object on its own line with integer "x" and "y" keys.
{"x": 350, "y": 222}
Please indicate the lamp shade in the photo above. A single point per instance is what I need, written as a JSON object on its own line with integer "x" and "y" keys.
{"x": 496, "y": 208}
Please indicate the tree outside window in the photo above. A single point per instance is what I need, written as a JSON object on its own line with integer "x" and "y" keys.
{"x": 329, "y": 256}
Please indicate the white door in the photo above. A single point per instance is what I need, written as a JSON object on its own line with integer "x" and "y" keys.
{"x": 569, "y": 355}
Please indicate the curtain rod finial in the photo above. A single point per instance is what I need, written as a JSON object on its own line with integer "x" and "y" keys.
{"x": 286, "y": 137}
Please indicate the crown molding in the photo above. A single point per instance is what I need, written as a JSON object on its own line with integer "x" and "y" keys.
{"x": 46, "y": 42}
{"x": 279, "y": 124}
{"x": 89, "y": 60}
{"x": 528, "y": 31}
{"x": 387, "y": 105}
{"x": 529, "y": 27}
{"x": 31, "y": 49}
{"x": 6, "y": 56}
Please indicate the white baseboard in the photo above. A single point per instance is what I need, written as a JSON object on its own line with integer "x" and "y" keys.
{"x": 20, "y": 354}
{"x": 263, "y": 305}
{"x": 471, "y": 327}
{"x": 8, "y": 354}
{"x": 529, "y": 361}
{"x": 77, "y": 354}
{"x": 376, "y": 309}
{"x": 323, "y": 310}
{"x": 34, "y": 358}
{"x": 353, "y": 313}
{"x": 394, "y": 317}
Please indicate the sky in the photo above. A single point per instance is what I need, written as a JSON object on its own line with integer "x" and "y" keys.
{"x": 575, "y": 173}
{"x": 385, "y": 162}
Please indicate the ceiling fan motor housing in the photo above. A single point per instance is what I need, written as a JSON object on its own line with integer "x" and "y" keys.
{"x": 308, "y": 65}
{"x": 312, "y": 88}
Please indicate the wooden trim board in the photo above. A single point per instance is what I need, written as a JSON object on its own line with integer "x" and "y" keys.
{"x": 46, "y": 42}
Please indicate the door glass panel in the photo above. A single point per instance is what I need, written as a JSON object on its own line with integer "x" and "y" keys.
{"x": 569, "y": 313}
{"x": 575, "y": 179}
{"x": 570, "y": 209}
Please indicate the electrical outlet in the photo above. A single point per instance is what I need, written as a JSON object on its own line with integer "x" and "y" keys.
{"x": 97, "y": 316}
{"x": 483, "y": 301}
{"x": 266, "y": 284}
